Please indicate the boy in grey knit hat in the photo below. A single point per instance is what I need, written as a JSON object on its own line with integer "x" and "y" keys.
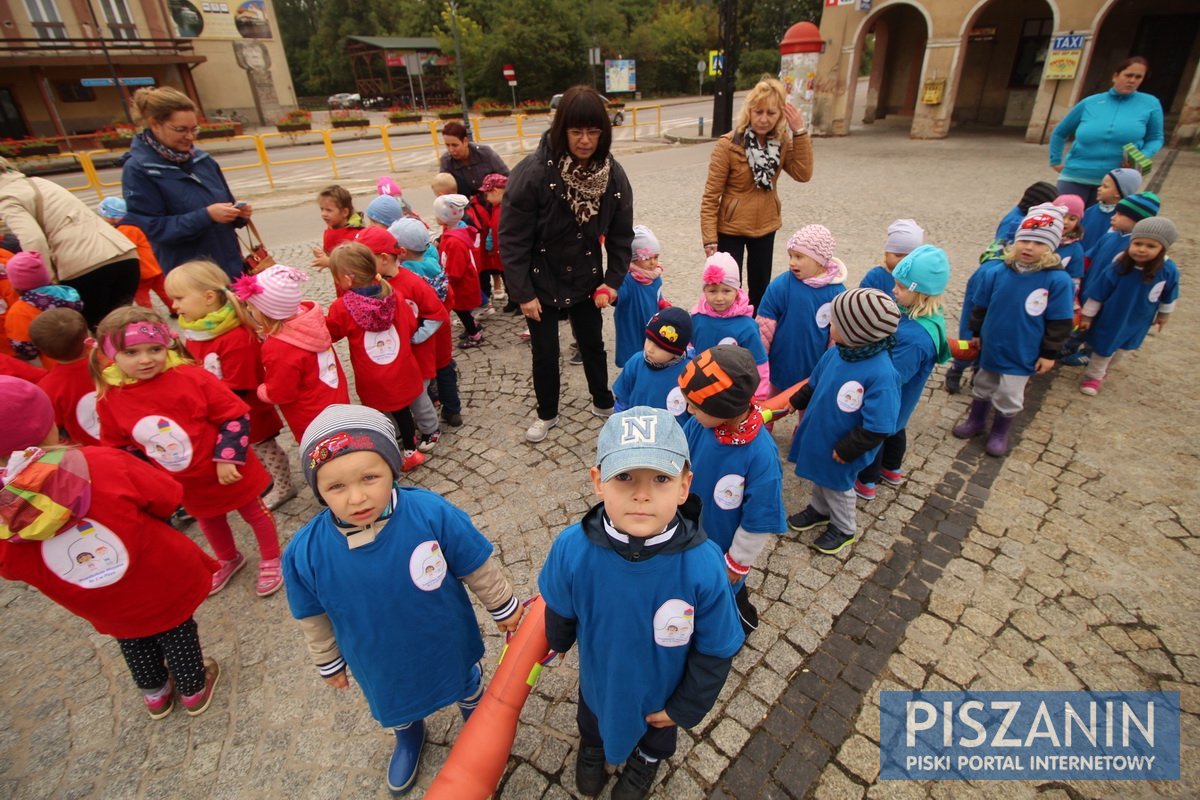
{"x": 376, "y": 582}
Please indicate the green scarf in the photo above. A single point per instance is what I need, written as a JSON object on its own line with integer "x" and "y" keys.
{"x": 211, "y": 325}
{"x": 935, "y": 326}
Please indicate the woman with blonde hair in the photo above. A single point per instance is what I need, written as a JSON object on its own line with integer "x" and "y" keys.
{"x": 175, "y": 192}
{"x": 740, "y": 210}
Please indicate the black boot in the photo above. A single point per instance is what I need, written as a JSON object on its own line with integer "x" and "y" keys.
{"x": 954, "y": 378}
{"x": 637, "y": 779}
{"x": 590, "y": 776}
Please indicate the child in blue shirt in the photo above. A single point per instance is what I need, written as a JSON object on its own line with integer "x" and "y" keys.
{"x": 921, "y": 344}
{"x": 645, "y": 594}
{"x": 640, "y": 295}
{"x": 1021, "y": 317}
{"x": 1040, "y": 192}
{"x": 1117, "y": 185}
{"x": 735, "y": 463}
{"x": 793, "y": 318}
{"x": 1136, "y": 291}
{"x": 903, "y": 236}
{"x": 723, "y": 315}
{"x": 851, "y": 403}
{"x": 1070, "y": 250}
{"x": 376, "y": 582}
{"x": 651, "y": 376}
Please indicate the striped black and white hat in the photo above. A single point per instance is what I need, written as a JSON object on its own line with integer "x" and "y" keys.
{"x": 865, "y": 316}
{"x": 343, "y": 429}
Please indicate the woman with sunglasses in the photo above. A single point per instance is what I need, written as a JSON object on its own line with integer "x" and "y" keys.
{"x": 567, "y": 206}
{"x": 175, "y": 192}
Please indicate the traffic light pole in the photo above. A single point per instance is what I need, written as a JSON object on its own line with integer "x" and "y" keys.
{"x": 723, "y": 86}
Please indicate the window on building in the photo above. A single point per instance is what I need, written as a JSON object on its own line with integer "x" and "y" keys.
{"x": 46, "y": 20}
{"x": 73, "y": 92}
{"x": 1031, "y": 53}
{"x": 120, "y": 21}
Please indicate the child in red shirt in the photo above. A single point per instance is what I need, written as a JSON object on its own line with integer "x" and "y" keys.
{"x": 342, "y": 223}
{"x": 112, "y": 210}
{"x": 379, "y": 324}
{"x": 432, "y": 321}
{"x": 301, "y": 373}
{"x": 218, "y": 337}
{"x": 153, "y": 399}
{"x": 484, "y": 215}
{"x": 84, "y": 526}
{"x": 62, "y": 334}
{"x": 458, "y": 248}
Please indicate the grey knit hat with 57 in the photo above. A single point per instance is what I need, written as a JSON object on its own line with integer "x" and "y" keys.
{"x": 1160, "y": 229}
{"x": 343, "y": 429}
{"x": 864, "y": 316}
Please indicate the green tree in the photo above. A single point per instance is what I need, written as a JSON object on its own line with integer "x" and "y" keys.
{"x": 668, "y": 46}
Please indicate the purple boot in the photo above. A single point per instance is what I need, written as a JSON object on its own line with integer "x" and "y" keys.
{"x": 976, "y": 420}
{"x": 997, "y": 441}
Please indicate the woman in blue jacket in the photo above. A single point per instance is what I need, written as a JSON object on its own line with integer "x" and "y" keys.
{"x": 1101, "y": 126}
{"x": 175, "y": 192}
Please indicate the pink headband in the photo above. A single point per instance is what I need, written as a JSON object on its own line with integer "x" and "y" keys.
{"x": 138, "y": 333}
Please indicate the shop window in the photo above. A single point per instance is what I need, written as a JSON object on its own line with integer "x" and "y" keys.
{"x": 46, "y": 19}
{"x": 1031, "y": 53}
{"x": 120, "y": 21}
{"x": 69, "y": 92}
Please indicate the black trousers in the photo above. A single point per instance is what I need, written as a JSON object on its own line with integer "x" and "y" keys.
{"x": 758, "y": 256}
{"x": 656, "y": 742}
{"x": 470, "y": 326}
{"x": 104, "y": 289}
{"x": 407, "y": 428}
{"x": 588, "y": 327}
{"x": 179, "y": 647}
{"x": 890, "y": 457}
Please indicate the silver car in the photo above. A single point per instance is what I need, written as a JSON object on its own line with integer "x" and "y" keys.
{"x": 617, "y": 114}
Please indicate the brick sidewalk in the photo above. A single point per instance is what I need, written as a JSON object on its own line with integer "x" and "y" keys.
{"x": 1069, "y": 564}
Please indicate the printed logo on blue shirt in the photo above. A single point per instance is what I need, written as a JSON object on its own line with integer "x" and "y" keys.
{"x": 975, "y": 735}
{"x": 674, "y": 623}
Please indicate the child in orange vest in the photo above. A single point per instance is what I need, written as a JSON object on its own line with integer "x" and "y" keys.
{"x": 30, "y": 278}
{"x": 112, "y": 210}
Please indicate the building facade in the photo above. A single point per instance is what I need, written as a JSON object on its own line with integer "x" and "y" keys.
{"x": 58, "y": 59}
{"x": 937, "y": 65}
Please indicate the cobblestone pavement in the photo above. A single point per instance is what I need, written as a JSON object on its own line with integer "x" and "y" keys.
{"x": 1068, "y": 565}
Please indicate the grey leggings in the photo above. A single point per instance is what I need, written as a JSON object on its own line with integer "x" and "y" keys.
{"x": 424, "y": 414}
{"x": 839, "y": 506}
{"x": 1098, "y": 365}
{"x": 1007, "y": 392}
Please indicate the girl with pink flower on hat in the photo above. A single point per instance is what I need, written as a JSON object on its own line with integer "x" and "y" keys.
{"x": 793, "y": 318}
{"x": 723, "y": 315}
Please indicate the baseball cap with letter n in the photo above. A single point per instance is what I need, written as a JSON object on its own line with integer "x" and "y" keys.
{"x": 641, "y": 438}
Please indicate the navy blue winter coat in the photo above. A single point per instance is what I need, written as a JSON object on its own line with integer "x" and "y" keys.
{"x": 169, "y": 202}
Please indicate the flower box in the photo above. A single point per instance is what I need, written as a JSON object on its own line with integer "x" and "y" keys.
{"x": 535, "y": 109}
{"x": 217, "y": 133}
{"x": 350, "y": 123}
{"x": 24, "y": 151}
{"x": 448, "y": 115}
{"x": 400, "y": 119}
{"x": 293, "y": 127}
{"x": 115, "y": 142}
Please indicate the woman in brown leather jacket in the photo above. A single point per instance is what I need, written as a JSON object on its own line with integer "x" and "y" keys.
{"x": 740, "y": 208}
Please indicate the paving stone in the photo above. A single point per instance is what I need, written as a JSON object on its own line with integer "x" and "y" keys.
{"x": 860, "y": 757}
{"x": 834, "y": 785}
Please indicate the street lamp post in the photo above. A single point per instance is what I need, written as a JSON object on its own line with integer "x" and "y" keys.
{"x": 462, "y": 84}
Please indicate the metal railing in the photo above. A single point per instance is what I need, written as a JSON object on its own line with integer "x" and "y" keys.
{"x": 264, "y": 143}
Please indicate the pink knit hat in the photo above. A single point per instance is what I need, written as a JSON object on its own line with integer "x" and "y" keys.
{"x": 33, "y": 424}
{"x": 1071, "y": 202}
{"x": 276, "y": 291}
{"x": 27, "y": 270}
{"x": 814, "y": 241}
{"x": 721, "y": 268}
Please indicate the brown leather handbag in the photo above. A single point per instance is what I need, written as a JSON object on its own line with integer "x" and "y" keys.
{"x": 257, "y": 258}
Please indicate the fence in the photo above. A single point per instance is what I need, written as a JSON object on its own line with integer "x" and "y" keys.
{"x": 485, "y": 131}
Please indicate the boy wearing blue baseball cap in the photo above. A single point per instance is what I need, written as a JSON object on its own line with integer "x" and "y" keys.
{"x": 641, "y": 589}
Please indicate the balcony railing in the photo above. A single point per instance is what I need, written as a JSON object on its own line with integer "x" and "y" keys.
{"x": 68, "y": 47}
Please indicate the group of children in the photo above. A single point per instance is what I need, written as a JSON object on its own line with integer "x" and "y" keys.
{"x": 688, "y": 478}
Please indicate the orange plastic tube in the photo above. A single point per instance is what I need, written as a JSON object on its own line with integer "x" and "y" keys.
{"x": 477, "y": 760}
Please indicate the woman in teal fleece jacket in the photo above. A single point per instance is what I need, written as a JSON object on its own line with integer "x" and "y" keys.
{"x": 1101, "y": 126}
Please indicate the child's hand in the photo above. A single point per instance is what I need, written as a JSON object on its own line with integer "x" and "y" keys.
{"x": 838, "y": 458}
{"x": 1043, "y": 366}
{"x": 1085, "y": 323}
{"x": 339, "y": 681}
{"x": 320, "y": 259}
{"x": 733, "y": 576}
{"x": 510, "y": 625}
{"x": 1161, "y": 321}
{"x": 228, "y": 473}
{"x": 659, "y": 719}
{"x": 604, "y": 296}
{"x": 975, "y": 342}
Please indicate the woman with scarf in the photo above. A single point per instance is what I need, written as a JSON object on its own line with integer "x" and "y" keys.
{"x": 176, "y": 192}
{"x": 563, "y": 205}
{"x": 739, "y": 212}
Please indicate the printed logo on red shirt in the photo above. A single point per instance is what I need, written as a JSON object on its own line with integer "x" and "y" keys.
{"x": 88, "y": 555}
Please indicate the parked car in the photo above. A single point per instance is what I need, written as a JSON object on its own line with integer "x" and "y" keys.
{"x": 345, "y": 100}
{"x": 617, "y": 114}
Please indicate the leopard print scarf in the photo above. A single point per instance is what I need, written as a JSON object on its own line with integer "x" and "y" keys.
{"x": 585, "y": 185}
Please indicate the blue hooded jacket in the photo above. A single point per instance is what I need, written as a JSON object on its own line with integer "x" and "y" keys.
{"x": 1102, "y": 125}
{"x": 169, "y": 202}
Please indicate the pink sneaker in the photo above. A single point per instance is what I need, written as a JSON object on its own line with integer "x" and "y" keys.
{"x": 196, "y": 704}
{"x": 1090, "y": 387}
{"x": 893, "y": 478}
{"x": 225, "y": 573}
{"x": 412, "y": 460}
{"x": 270, "y": 577}
{"x": 160, "y": 703}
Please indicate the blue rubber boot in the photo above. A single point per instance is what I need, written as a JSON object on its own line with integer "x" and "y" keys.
{"x": 406, "y": 758}
{"x": 471, "y": 700}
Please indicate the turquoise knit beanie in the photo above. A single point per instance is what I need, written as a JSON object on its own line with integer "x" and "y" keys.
{"x": 925, "y": 270}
